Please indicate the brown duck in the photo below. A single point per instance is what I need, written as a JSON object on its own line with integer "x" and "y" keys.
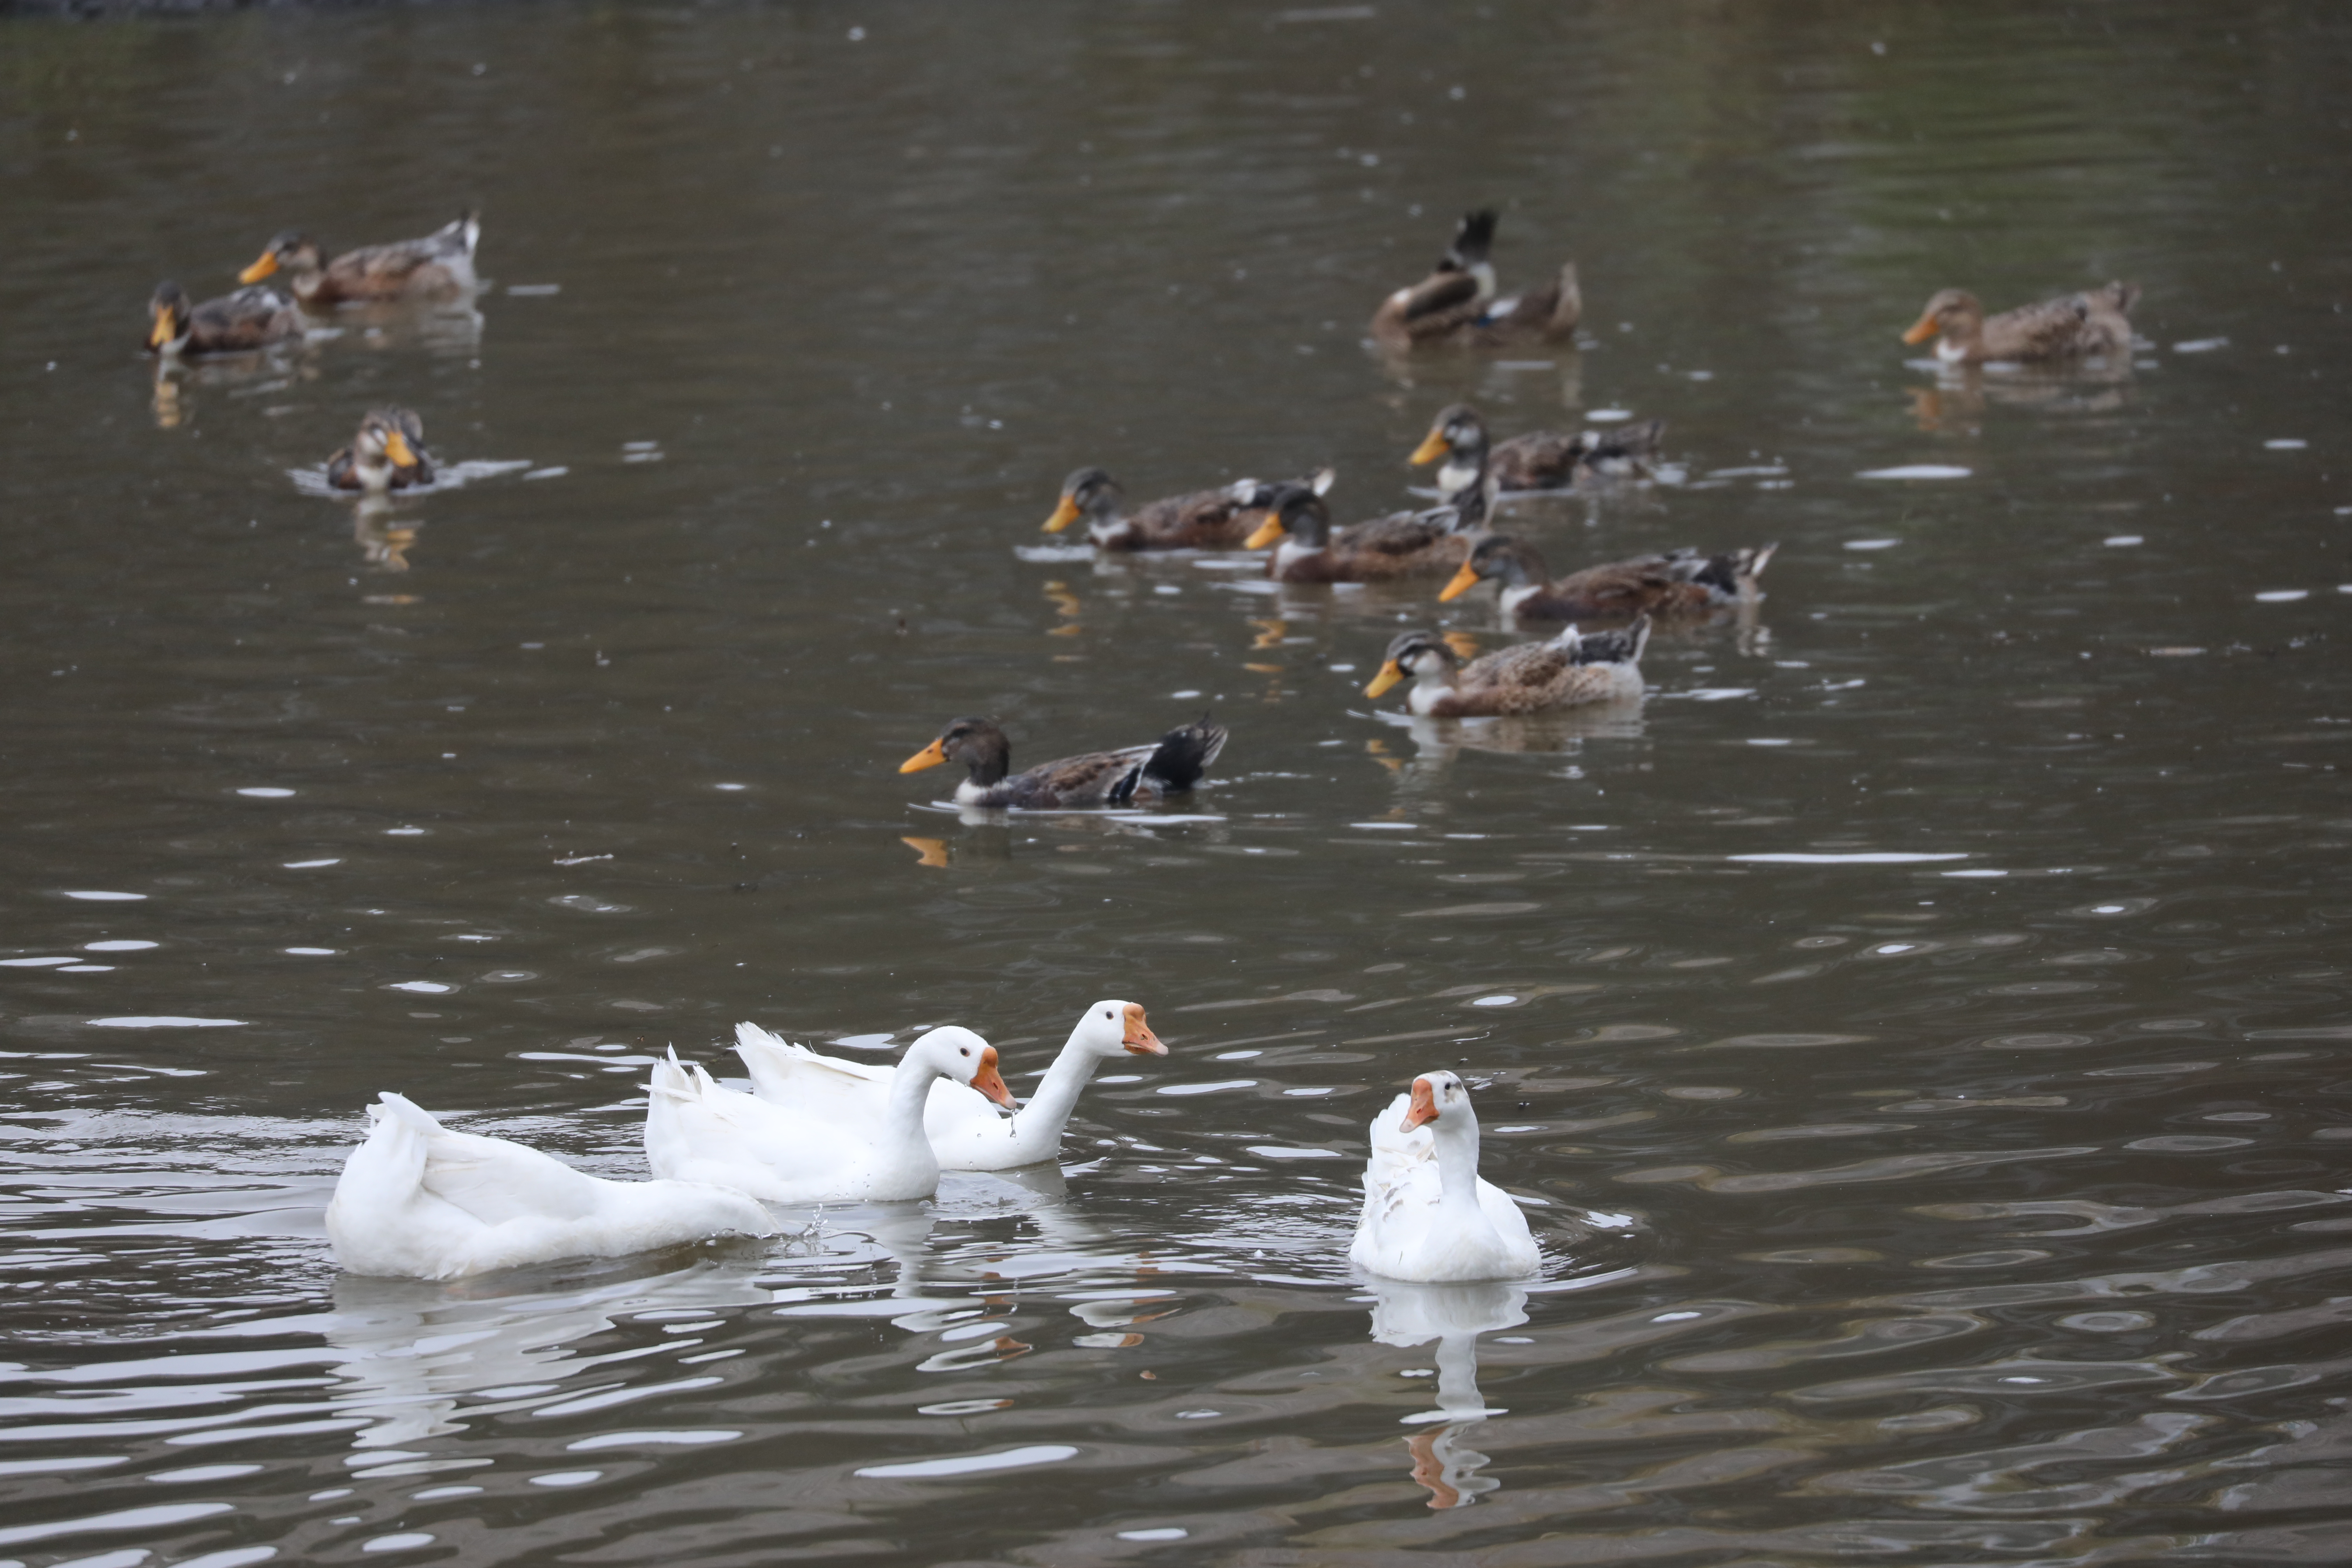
{"x": 1456, "y": 303}
{"x": 1540, "y": 460}
{"x": 387, "y": 454}
{"x": 1167, "y": 766}
{"x": 1681, "y": 583}
{"x": 1220, "y": 519}
{"x": 1402, "y": 544}
{"x": 2096, "y": 321}
{"x": 241, "y": 323}
{"x": 1570, "y": 670}
{"x": 441, "y": 263}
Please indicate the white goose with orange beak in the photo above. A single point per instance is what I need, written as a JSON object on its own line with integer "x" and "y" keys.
{"x": 696, "y": 1130}
{"x": 1428, "y": 1215}
{"x": 967, "y": 1133}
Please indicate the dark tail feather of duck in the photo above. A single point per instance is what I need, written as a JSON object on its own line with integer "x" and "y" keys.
{"x": 1622, "y": 645}
{"x": 1472, "y": 241}
{"x": 1634, "y": 443}
{"x": 1183, "y": 756}
{"x": 2122, "y": 296}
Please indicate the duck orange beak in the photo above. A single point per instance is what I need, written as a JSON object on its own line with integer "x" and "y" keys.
{"x": 1432, "y": 446}
{"x": 260, "y": 270}
{"x": 1921, "y": 330}
{"x": 1267, "y": 532}
{"x": 166, "y": 328}
{"x": 1141, "y": 1041}
{"x": 1064, "y": 515}
{"x": 397, "y": 448}
{"x": 1424, "y": 1108}
{"x": 991, "y": 1082}
{"x": 930, "y": 756}
{"x": 1390, "y": 673}
{"x": 1461, "y": 583}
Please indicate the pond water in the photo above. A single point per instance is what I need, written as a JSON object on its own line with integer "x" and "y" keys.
{"x": 1919, "y": 1032}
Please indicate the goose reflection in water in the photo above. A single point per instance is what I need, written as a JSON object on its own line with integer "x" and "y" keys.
{"x": 416, "y": 1351}
{"x": 1405, "y": 1315}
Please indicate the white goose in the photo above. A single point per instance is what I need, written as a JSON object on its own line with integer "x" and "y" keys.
{"x": 811, "y": 1153}
{"x": 1428, "y": 1215}
{"x": 966, "y": 1131}
{"x": 417, "y": 1201}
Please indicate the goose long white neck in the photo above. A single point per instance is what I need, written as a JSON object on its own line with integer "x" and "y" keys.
{"x": 910, "y": 1090}
{"x": 1456, "y": 1141}
{"x": 1042, "y": 1118}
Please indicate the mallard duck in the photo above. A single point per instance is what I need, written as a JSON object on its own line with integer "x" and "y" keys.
{"x": 388, "y": 454}
{"x": 234, "y": 324}
{"x": 1167, "y": 766}
{"x": 2096, "y": 321}
{"x": 1538, "y": 460}
{"x": 1679, "y": 583}
{"x": 1569, "y": 672}
{"x": 1428, "y": 1215}
{"x": 966, "y": 1131}
{"x": 801, "y": 1153}
{"x": 1456, "y": 303}
{"x": 440, "y": 263}
{"x": 1202, "y": 520}
{"x": 1402, "y": 544}
{"x": 419, "y": 1202}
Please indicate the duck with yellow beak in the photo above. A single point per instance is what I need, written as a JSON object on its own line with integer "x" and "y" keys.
{"x": 1218, "y": 519}
{"x": 235, "y": 323}
{"x": 1537, "y": 459}
{"x": 439, "y": 265}
{"x": 1569, "y": 672}
{"x": 2094, "y": 322}
{"x": 1307, "y": 549}
{"x": 1168, "y": 765}
{"x": 1679, "y": 584}
{"x": 387, "y": 454}
{"x": 1428, "y": 1215}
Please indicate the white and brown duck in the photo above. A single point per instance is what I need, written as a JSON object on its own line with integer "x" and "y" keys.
{"x": 1680, "y": 584}
{"x": 1570, "y": 670}
{"x": 386, "y": 454}
{"x": 1307, "y": 549}
{"x": 241, "y": 323}
{"x": 1456, "y": 302}
{"x": 2094, "y": 322}
{"x": 440, "y": 264}
{"x": 1170, "y": 765}
{"x": 1536, "y": 459}
{"x": 1218, "y": 519}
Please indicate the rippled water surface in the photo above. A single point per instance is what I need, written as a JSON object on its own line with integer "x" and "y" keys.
{"x": 1918, "y": 1032}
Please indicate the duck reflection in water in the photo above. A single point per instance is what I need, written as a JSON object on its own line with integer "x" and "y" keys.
{"x": 381, "y": 539}
{"x": 1454, "y": 1316}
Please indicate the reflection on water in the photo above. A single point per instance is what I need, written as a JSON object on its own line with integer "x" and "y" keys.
{"x": 1936, "y": 977}
{"x": 1454, "y": 1316}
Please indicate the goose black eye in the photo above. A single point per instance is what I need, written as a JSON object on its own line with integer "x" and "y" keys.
{"x": 963, "y": 1050}
{"x": 1106, "y": 1011}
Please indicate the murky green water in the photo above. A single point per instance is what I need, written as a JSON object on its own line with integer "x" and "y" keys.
{"x": 1923, "y": 1022}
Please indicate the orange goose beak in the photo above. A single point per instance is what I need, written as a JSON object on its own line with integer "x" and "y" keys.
{"x": 1139, "y": 1040}
{"x": 1424, "y": 1108}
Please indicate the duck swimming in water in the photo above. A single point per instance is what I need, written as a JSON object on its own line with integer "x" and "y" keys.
{"x": 2096, "y": 321}
{"x": 1570, "y": 670}
{"x": 1538, "y": 459}
{"x": 387, "y": 454}
{"x": 1218, "y": 519}
{"x": 1456, "y": 303}
{"x": 1307, "y": 549}
{"x": 1681, "y": 583}
{"x": 234, "y": 324}
{"x": 1168, "y": 765}
{"x": 439, "y": 263}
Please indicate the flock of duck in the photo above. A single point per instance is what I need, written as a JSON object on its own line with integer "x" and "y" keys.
{"x": 418, "y": 1200}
